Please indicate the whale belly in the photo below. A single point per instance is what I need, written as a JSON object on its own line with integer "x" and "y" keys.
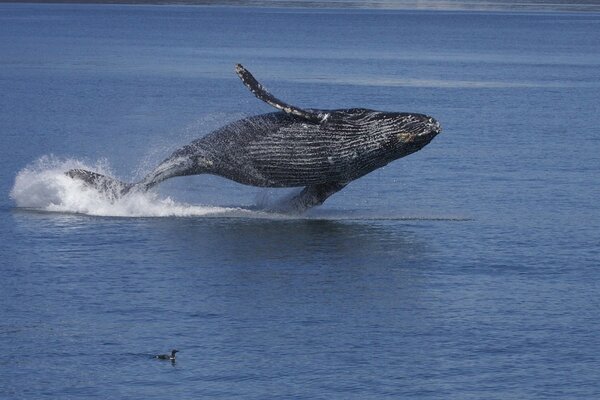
{"x": 276, "y": 150}
{"x": 279, "y": 151}
{"x": 299, "y": 157}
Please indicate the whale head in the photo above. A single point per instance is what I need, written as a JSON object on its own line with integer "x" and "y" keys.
{"x": 404, "y": 133}
{"x": 416, "y": 128}
{"x": 395, "y": 134}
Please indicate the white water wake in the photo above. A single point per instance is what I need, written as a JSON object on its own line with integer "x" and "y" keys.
{"x": 44, "y": 186}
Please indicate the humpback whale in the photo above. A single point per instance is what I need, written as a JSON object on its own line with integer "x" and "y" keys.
{"x": 318, "y": 150}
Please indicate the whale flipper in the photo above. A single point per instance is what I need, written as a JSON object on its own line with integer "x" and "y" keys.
{"x": 263, "y": 94}
{"x": 111, "y": 187}
{"x": 311, "y": 196}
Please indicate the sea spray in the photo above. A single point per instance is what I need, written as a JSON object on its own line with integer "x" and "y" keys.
{"x": 44, "y": 186}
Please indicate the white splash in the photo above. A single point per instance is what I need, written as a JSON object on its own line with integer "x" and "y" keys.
{"x": 44, "y": 186}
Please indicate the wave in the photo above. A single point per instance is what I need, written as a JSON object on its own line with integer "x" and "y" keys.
{"x": 43, "y": 186}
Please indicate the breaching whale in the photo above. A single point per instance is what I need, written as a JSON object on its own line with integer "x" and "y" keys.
{"x": 320, "y": 150}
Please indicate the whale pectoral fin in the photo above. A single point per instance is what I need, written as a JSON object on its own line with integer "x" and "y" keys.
{"x": 311, "y": 196}
{"x": 106, "y": 185}
{"x": 263, "y": 94}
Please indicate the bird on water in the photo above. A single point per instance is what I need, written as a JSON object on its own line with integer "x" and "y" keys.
{"x": 167, "y": 356}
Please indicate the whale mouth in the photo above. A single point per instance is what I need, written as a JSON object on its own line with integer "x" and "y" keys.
{"x": 433, "y": 128}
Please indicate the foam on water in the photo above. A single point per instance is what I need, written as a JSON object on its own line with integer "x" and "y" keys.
{"x": 44, "y": 186}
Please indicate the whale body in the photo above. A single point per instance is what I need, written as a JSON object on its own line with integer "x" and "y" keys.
{"x": 320, "y": 150}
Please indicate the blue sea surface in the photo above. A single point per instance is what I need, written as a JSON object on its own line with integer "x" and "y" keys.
{"x": 470, "y": 269}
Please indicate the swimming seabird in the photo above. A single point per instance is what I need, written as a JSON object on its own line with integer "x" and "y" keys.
{"x": 167, "y": 356}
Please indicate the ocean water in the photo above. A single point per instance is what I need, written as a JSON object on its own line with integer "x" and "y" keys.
{"x": 467, "y": 270}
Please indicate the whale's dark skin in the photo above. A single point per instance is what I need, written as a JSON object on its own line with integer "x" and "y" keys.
{"x": 320, "y": 150}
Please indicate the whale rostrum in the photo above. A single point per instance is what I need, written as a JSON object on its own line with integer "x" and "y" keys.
{"x": 320, "y": 150}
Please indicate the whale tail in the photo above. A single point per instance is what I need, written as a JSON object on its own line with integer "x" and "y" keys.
{"x": 115, "y": 189}
{"x": 110, "y": 187}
